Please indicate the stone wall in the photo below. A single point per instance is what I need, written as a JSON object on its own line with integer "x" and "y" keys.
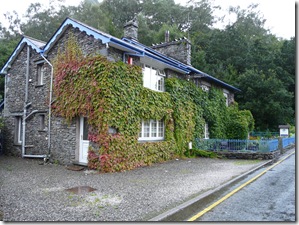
{"x": 63, "y": 141}
{"x": 35, "y": 137}
{"x": 249, "y": 155}
{"x": 15, "y": 85}
{"x": 9, "y": 148}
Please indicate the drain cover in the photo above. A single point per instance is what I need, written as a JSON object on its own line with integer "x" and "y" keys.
{"x": 75, "y": 168}
{"x": 81, "y": 190}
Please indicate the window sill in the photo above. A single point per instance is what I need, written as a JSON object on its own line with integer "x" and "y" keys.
{"x": 42, "y": 131}
{"x": 17, "y": 144}
{"x": 153, "y": 89}
{"x": 150, "y": 140}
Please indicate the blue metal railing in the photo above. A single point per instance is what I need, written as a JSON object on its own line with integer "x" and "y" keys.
{"x": 266, "y": 134}
{"x": 236, "y": 145}
{"x": 262, "y": 146}
{"x": 288, "y": 141}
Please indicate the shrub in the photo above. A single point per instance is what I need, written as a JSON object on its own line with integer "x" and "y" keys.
{"x": 206, "y": 154}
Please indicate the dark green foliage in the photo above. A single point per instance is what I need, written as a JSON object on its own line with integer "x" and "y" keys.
{"x": 205, "y": 154}
{"x": 192, "y": 108}
{"x": 240, "y": 123}
{"x": 6, "y": 48}
{"x": 270, "y": 102}
{"x": 216, "y": 114}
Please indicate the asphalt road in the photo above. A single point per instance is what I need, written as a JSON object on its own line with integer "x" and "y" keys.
{"x": 269, "y": 198}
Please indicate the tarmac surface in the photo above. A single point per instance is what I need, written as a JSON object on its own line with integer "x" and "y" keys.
{"x": 33, "y": 191}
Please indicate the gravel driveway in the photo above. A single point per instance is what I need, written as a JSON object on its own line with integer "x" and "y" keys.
{"x": 33, "y": 191}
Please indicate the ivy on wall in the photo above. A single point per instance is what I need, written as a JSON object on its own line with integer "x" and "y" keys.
{"x": 111, "y": 95}
{"x": 188, "y": 118}
{"x": 216, "y": 113}
{"x": 193, "y": 107}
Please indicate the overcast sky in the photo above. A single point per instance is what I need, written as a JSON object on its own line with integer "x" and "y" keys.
{"x": 280, "y": 15}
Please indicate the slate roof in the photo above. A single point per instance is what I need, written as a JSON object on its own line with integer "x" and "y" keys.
{"x": 129, "y": 46}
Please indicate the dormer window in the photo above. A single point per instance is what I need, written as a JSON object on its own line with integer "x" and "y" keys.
{"x": 153, "y": 78}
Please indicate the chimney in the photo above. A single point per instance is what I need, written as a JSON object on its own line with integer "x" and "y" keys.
{"x": 167, "y": 36}
{"x": 131, "y": 29}
{"x": 179, "y": 49}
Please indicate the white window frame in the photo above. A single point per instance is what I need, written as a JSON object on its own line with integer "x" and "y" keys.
{"x": 40, "y": 74}
{"x": 226, "y": 94}
{"x": 18, "y": 130}
{"x": 152, "y": 130}
{"x": 153, "y": 78}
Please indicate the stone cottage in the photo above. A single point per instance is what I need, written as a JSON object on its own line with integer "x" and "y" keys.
{"x": 31, "y": 129}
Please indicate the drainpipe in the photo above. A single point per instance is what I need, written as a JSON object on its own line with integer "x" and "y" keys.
{"x": 25, "y": 102}
{"x": 26, "y": 105}
{"x": 49, "y": 107}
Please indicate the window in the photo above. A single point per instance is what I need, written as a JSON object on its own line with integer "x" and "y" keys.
{"x": 226, "y": 98}
{"x": 40, "y": 74}
{"x": 207, "y": 134}
{"x": 42, "y": 122}
{"x": 152, "y": 130}
{"x": 85, "y": 129}
{"x": 205, "y": 87}
{"x": 18, "y": 130}
{"x": 153, "y": 78}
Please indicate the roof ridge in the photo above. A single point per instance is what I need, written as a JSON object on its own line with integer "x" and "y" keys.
{"x": 34, "y": 39}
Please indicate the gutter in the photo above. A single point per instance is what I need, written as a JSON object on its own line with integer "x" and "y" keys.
{"x": 26, "y": 105}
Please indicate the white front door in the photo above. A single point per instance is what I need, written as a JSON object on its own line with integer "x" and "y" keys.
{"x": 84, "y": 142}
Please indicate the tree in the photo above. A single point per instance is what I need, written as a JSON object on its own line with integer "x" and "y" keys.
{"x": 43, "y": 22}
{"x": 93, "y": 14}
{"x": 285, "y": 60}
{"x": 235, "y": 54}
{"x": 8, "y": 42}
{"x": 266, "y": 97}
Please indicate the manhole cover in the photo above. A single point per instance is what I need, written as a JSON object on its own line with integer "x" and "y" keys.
{"x": 81, "y": 190}
{"x": 75, "y": 168}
